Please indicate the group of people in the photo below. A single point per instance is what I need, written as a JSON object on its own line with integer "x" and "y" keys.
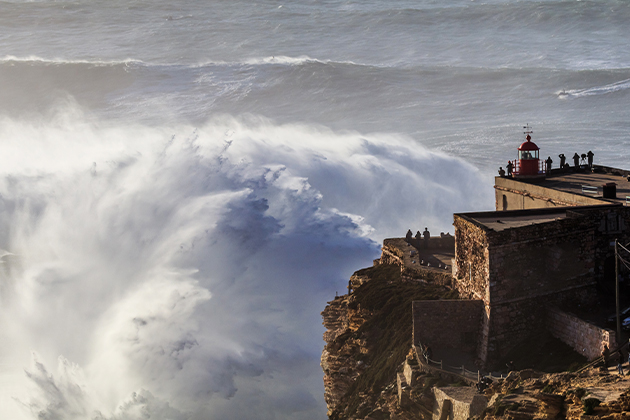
{"x": 587, "y": 158}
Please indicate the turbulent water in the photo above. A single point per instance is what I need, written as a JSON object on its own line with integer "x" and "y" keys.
{"x": 184, "y": 184}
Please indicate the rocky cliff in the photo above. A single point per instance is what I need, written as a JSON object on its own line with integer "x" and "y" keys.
{"x": 368, "y": 338}
{"x": 371, "y": 374}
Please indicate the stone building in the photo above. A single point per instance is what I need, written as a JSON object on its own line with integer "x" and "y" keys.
{"x": 547, "y": 248}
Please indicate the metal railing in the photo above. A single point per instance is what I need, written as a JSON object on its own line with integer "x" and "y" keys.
{"x": 516, "y": 167}
{"x": 460, "y": 371}
{"x": 599, "y": 360}
{"x": 627, "y": 200}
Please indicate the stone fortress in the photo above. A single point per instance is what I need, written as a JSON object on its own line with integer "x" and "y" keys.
{"x": 540, "y": 261}
{"x": 548, "y": 262}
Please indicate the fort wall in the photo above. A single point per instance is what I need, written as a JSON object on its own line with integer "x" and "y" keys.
{"x": 447, "y": 323}
{"x": 470, "y": 268}
{"x": 444, "y": 241}
{"x": 401, "y": 252}
{"x": 585, "y": 338}
{"x": 609, "y": 223}
{"x": 509, "y": 324}
{"x": 518, "y": 271}
{"x": 511, "y": 194}
{"x": 540, "y": 259}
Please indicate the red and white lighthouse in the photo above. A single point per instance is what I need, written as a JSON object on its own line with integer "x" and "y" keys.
{"x": 528, "y": 165}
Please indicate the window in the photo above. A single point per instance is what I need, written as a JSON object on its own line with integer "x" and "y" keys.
{"x": 612, "y": 222}
{"x": 527, "y": 154}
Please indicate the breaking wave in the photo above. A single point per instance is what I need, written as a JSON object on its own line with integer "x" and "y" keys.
{"x": 598, "y": 90}
{"x": 178, "y": 273}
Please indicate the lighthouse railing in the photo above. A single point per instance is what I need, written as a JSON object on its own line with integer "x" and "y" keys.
{"x": 516, "y": 167}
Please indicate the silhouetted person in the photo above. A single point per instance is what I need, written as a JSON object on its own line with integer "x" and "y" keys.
{"x": 606, "y": 355}
{"x": 576, "y": 160}
{"x": 509, "y": 168}
{"x": 501, "y": 172}
{"x": 408, "y": 236}
{"x": 549, "y": 162}
{"x": 563, "y": 159}
{"x": 426, "y": 235}
{"x": 590, "y": 155}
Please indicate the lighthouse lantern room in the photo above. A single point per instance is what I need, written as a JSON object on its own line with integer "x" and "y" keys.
{"x": 528, "y": 164}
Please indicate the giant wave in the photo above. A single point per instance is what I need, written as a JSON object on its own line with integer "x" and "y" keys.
{"x": 179, "y": 272}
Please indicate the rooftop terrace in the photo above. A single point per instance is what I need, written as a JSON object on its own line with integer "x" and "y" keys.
{"x": 502, "y": 220}
{"x": 574, "y": 182}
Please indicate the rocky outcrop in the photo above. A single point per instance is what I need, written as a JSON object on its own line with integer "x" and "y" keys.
{"x": 529, "y": 395}
{"x": 368, "y": 336}
{"x": 341, "y": 358}
{"x": 371, "y": 374}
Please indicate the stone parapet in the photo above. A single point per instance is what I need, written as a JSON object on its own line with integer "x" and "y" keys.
{"x": 584, "y": 337}
{"x": 512, "y": 321}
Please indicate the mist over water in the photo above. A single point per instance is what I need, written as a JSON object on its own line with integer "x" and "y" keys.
{"x": 183, "y": 185}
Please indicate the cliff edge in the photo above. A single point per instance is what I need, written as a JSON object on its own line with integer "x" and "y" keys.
{"x": 368, "y": 337}
{"x": 373, "y": 372}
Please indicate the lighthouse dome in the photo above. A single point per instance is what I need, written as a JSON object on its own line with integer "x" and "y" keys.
{"x": 528, "y": 145}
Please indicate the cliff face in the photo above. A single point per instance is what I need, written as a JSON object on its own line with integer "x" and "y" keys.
{"x": 341, "y": 358}
{"x": 368, "y": 338}
{"x": 371, "y": 374}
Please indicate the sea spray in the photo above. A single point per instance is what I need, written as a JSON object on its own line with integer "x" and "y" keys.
{"x": 182, "y": 270}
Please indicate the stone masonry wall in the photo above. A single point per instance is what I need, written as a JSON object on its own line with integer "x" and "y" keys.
{"x": 523, "y": 195}
{"x": 536, "y": 260}
{"x": 426, "y": 275}
{"x": 457, "y": 403}
{"x": 512, "y": 323}
{"x": 517, "y": 272}
{"x": 436, "y": 242}
{"x": 609, "y": 223}
{"x": 447, "y": 323}
{"x": 534, "y": 266}
{"x": 584, "y": 337}
{"x": 471, "y": 260}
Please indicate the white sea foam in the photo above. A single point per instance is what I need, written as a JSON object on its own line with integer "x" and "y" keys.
{"x": 598, "y": 90}
{"x": 281, "y": 60}
{"x": 58, "y": 60}
{"x": 181, "y": 272}
{"x": 149, "y": 267}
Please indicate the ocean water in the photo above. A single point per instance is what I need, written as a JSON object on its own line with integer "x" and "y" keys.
{"x": 183, "y": 185}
